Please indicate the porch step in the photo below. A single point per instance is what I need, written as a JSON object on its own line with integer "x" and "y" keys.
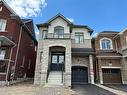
{"x": 55, "y": 78}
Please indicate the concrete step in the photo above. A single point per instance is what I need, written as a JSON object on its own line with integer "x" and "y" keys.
{"x": 55, "y": 79}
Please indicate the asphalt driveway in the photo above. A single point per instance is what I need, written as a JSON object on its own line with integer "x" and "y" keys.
{"x": 118, "y": 87}
{"x": 90, "y": 89}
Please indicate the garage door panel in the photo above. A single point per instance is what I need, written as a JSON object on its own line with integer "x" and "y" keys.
{"x": 79, "y": 75}
{"x": 111, "y": 76}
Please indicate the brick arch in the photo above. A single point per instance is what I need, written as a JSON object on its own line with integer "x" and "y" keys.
{"x": 57, "y": 48}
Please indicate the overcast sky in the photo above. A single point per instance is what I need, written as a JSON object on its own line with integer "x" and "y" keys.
{"x": 100, "y": 15}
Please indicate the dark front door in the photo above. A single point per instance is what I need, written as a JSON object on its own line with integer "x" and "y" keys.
{"x": 79, "y": 75}
{"x": 112, "y": 76}
{"x": 57, "y": 61}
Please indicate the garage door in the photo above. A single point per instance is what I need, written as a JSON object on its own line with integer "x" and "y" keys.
{"x": 111, "y": 75}
{"x": 79, "y": 75}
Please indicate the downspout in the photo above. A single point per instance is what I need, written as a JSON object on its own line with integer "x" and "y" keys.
{"x": 9, "y": 62}
{"x": 17, "y": 52}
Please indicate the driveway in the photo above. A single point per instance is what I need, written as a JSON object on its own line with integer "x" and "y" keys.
{"x": 90, "y": 89}
{"x": 118, "y": 87}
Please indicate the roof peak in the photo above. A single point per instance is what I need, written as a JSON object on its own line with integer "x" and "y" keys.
{"x": 59, "y": 15}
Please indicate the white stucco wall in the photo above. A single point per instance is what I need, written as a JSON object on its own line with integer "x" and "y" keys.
{"x": 85, "y": 31}
{"x": 58, "y": 22}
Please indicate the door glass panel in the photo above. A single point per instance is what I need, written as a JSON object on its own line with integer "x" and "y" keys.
{"x": 61, "y": 59}
{"x": 54, "y": 59}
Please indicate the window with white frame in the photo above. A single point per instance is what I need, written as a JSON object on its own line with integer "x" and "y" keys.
{"x": 106, "y": 43}
{"x": 3, "y": 23}
{"x": 79, "y": 37}
{"x": 2, "y": 54}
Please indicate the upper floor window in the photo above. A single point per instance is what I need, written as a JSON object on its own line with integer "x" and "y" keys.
{"x": 2, "y": 54}
{"x": 58, "y": 32}
{"x": 44, "y": 32}
{"x": 2, "y": 24}
{"x": 79, "y": 37}
{"x": 126, "y": 39}
{"x": 106, "y": 43}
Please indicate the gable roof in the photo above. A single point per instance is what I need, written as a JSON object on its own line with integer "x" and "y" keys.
{"x": 46, "y": 24}
{"x": 23, "y": 22}
{"x": 61, "y": 16}
{"x": 8, "y": 7}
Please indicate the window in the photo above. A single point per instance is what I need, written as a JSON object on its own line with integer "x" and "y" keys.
{"x": 2, "y": 54}
{"x": 106, "y": 44}
{"x": 54, "y": 59}
{"x": 23, "y": 62}
{"x": 44, "y": 32}
{"x": 126, "y": 39}
{"x": 2, "y": 24}
{"x": 79, "y": 37}
{"x": 58, "y": 32}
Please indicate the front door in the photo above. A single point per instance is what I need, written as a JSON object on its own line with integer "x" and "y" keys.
{"x": 57, "y": 61}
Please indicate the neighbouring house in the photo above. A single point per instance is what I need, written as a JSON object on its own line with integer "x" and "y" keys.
{"x": 110, "y": 63}
{"x": 17, "y": 46}
{"x": 121, "y": 43}
{"x": 65, "y": 54}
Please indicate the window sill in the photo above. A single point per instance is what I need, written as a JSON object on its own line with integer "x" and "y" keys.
{"x": 3, "y": 31}
{"x": 2, "y": 73}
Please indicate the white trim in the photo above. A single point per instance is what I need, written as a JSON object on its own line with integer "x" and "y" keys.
{"x": 8, "y": 39}
{"x": 2, "y": 73}
{"x": 112, "y": 67}
{"x": 110, "y": 56}
{"x": 8, "y": 7}
{"x": 82, "y": 65}
{"x": 110, "y": 43}
{"x": 124, "y": 56}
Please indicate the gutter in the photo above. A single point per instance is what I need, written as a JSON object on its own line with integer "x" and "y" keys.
{"x": 17, "y": 52}
{"x": 9, "y": 62}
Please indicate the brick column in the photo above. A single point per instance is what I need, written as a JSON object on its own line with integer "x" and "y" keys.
{"x": 67, "y": 76}
{"x": 91, "y": 69}
{"x": 124, "y": 71}
{"x": 100, "y": 71}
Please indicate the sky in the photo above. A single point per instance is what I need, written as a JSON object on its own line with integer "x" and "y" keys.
{"x": 100, "y": 15}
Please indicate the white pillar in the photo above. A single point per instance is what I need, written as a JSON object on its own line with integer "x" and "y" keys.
{"x": 91, "y": 69}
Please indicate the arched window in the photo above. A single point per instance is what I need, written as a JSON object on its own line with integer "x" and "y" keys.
{"x": 106, "y": 43}
{"x": 59, "y": 32}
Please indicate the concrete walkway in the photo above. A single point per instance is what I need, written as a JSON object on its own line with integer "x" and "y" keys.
{"x": 117, "y": 92}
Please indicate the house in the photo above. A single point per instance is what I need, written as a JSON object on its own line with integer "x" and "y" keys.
{"x": 121, "y": 42}
{"x": 65, "y": 54}
{"x": 17, "y": 46}
{"x": 109, "y": 62}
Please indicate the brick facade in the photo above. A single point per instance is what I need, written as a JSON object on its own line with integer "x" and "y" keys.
{"x": 21, "y": 43}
